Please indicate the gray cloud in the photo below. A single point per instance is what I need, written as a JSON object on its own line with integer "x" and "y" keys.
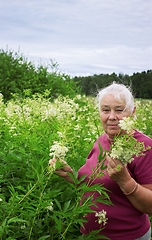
{"x": 83, "y": 36}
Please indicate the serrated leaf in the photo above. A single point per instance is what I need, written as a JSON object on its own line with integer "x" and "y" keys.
{"x": 81, "y": 179}
{"x": 82, "y": 186}
{"x": 58, "y": 204}
{"x": 66, "y": 205}
{"x": 104, "y": 201}
{"x": 58, "y": 223}
{"x": 101, "y": 151}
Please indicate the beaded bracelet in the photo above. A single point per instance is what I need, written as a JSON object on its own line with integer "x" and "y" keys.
{"x": 135, "y": 187}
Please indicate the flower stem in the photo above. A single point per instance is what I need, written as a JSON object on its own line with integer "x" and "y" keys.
{"x": 38, "y": 207}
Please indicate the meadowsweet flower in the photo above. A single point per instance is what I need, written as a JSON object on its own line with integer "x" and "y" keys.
{"x": 78, "y": 96}
{"x": 77, "y": 127}
{"x": 126, "y": 147}
{"x": 58, "y": 150}
{"x": 101, "y": 217}
{"x": 127, "y": 124}
{"x": 52, "y": 166}
{"x": 60, "y": 134}
{"x": 23, "y": 226}
{"x": 50, "y": 207}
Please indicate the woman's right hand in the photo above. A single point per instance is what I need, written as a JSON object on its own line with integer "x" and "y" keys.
{"x": 63, "y": 172}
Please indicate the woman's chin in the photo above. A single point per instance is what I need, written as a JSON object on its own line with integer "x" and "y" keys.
{"x": 112, "y": 133}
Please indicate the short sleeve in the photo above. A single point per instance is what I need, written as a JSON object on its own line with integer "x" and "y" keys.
{"x": 141, "y": 167}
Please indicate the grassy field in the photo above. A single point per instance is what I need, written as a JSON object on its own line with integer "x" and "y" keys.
{"x": 34, "y": 204}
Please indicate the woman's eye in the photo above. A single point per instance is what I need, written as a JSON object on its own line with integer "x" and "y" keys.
{"x": 119, "y": 110}
{"x": 105, "y": 110}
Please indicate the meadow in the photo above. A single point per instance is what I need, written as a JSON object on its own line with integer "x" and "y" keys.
{"x": 34, "y": 203}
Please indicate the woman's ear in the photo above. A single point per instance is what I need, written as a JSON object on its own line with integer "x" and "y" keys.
{"x": 134, "y": 110}
{"x": 133, "y": 113}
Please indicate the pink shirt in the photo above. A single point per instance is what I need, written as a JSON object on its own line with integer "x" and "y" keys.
{"x": 124, "y": 220}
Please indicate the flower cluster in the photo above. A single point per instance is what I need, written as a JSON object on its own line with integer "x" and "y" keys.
{"x": 50, "y": 207}
{"x": 127, "y": 124}
{"x": 52, "y": 166}
{"x": 101, "y": 217}
{"x": 125, "y": 147}
{"x": 58, "y": 150}
{"x": 23, "y": 227}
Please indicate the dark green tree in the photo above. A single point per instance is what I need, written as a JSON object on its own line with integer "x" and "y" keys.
{"x": 142, "y": 84}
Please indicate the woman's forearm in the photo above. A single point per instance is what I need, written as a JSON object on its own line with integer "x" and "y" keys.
{"x": 139, "y": 196}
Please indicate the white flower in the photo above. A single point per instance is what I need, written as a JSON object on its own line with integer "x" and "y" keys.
{"x": 77, "y": 127}
{"x": 79, "y": 96}
{"x": 52, "y": 166}
{"x": 127, "y": 124}
{"x": 58, "y": 150}
{"x": 125, "y": 148}
{"x": 60, "y": 134}
{"x": 23, "y": 226}
{"x": 1, "y": 200}
{"x": 50, "y": 207}
{"x": 101, "y": 217}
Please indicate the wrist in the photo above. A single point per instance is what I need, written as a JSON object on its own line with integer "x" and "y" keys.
{"x": 129, "y": 187}
{"x": 133, "y": 190}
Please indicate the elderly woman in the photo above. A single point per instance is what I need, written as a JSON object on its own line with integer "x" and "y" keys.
{"x": 130, "y": 186}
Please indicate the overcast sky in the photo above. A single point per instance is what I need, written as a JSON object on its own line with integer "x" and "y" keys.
{"x": 85, "y": 37}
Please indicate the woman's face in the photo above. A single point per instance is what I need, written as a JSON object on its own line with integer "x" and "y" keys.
{"x": 111, "y": 111}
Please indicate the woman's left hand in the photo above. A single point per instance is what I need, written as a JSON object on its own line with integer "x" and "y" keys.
{"x": 117, "y": 171}
{"x": 139, "y": 195}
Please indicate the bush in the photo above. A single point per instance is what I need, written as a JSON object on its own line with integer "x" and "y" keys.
{"x": 18, "y": 75}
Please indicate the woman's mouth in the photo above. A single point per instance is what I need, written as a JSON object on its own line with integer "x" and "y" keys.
{"x": 112, "y": 126}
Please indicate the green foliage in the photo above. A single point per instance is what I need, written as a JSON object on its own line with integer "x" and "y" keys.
{"x": 20, "y": 77}
{"x": 141, "y": 83}
{"x": 144, "y": 115}
{"x": 28, "y": 130}
{"x": 33, "y": 203}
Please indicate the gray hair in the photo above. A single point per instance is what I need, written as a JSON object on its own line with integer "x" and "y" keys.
{"x": 120, "y": 92}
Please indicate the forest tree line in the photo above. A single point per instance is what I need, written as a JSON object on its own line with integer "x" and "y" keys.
{"x": 20, "y": 78}
{"x": 140, "y": 83}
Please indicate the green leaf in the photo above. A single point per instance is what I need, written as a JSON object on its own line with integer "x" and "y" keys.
{"x": 10, "y": 238}
{"x": 4, "y": 222}
{"x": 101, "y": 151}
{"x": 1, "y": 230}
{"x": 82, "y": 186}
{"x": 15, "y": 219}
{"x": 58, "y": 204}
{"x": 58, "y": 223}
{"x": 103, "y": 200}
{"x": 44, "y": 237}
{"x": 66, "y": 205}
{"x": 81, "y": 179}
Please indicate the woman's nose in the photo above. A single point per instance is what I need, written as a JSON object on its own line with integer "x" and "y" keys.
{"x": 112, "y": 115}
